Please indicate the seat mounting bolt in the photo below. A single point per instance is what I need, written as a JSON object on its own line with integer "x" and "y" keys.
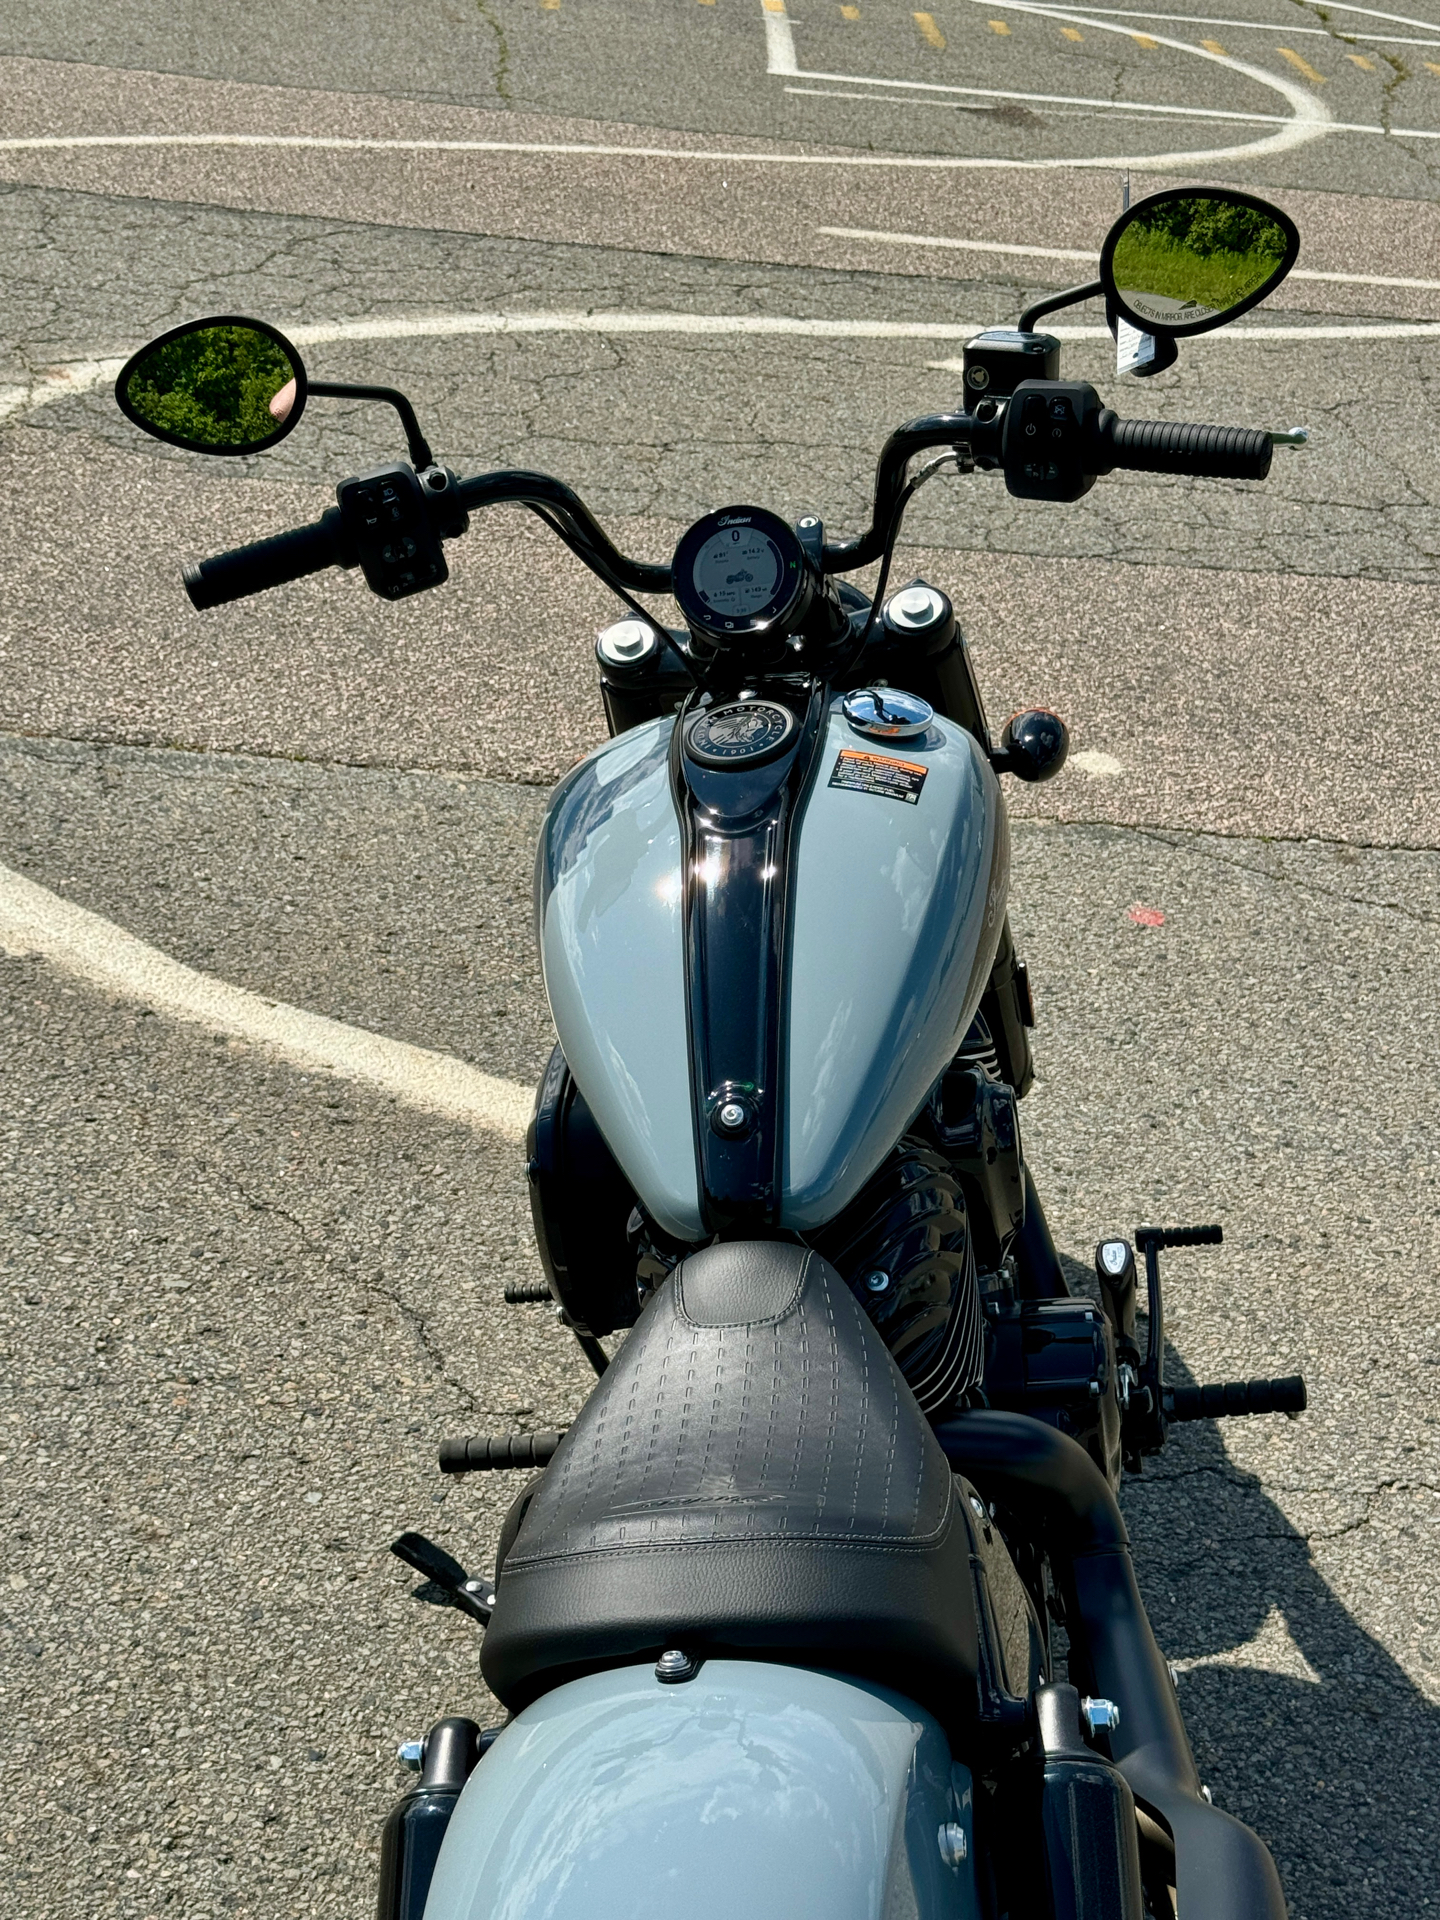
{"x": 673, "y": 1666}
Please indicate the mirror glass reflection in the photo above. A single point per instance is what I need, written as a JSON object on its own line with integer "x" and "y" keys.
{"x": 224, "y": 387}
{"x": 1195, "y": 257}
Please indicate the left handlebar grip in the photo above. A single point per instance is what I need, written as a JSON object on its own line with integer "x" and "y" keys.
{"x": 265, "y": 563}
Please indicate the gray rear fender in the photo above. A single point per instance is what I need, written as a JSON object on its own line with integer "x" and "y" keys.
{"x": 754, "y": 1789}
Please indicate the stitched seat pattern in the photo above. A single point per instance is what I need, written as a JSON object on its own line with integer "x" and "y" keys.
{"x": 797, "y": 1426}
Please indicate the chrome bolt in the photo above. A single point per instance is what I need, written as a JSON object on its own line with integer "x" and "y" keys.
{"x": 626, "y": 643}
{"x": 1100, "y": 1716}
{"x": 954, "y": 1845}
{"x": 1207, "y": 1796}
{"x": 877, "y": 1281}
{"x": 915, "y": 607}
{"x": 674, "y": 1665}
{"x": 977, "y": 1507}
{"x": 732, "y": 1116}
{"x": 410, "y": 1753}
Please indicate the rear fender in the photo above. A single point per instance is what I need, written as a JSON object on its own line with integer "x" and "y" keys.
{"x": 753, "y": 1789}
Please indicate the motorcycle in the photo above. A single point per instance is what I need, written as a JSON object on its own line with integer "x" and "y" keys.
{"x": 774, "y": 1621}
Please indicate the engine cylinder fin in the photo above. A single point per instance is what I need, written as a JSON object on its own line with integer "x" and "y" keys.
{"x": 903, "y": 1246}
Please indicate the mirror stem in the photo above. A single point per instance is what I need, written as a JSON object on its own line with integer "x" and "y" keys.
{"x": 1032, "y": 315}
{"x": 419, "y": 447}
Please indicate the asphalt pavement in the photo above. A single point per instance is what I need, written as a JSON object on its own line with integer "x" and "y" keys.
{"x": 245, "y": 1301}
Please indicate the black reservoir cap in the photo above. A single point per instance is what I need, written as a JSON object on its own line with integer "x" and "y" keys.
{"x": 997, "y": 360}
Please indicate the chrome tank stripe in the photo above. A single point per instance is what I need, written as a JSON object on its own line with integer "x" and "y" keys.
{"x": 896, "y": 912}
{"x": 608, "y": 890}
{"x": 753, "y": 1790}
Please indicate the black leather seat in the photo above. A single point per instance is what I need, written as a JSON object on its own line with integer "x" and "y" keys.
{"x": 751, "y": 1477}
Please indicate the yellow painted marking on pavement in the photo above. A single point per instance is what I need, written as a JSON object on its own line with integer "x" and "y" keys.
{"x": 1214, "y": 46}
{"x": 773, "y": 6}
{"x": 998, "y": 26}
{"x": 549, "y": 6}
{"x": 1301, "y": 66}
{"x": 1072, "y": 33}
{"x": 1359, "y": 60}
{"x": 1144, "y": 40}
{"x": 849, "y": 13}
{"x": 929, "y": 32}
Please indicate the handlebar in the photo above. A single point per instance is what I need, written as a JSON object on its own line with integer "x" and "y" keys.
{"x": 1101, "y": 443}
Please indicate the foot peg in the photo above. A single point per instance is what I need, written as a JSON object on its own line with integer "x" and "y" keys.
{"x": 487, "y": 1452}
{"x": 1148, "y": 1406}
{"x": 474, "y": 1595}
{"x": 1236, "y": 1397}
{"x": 529, "y": 1297}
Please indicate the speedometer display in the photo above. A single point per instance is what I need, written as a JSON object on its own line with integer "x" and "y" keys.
{"x": 737, "y": 572}
{"x": 742, "y": 580}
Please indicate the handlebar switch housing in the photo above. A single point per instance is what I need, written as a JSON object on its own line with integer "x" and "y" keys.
{"x": 1048, "y": 439}
{"x": 390, "y": 526}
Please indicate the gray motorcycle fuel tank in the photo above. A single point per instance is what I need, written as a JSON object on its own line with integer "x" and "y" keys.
{"x": 898, "y": 873}
{"x": 756, "y": 1790}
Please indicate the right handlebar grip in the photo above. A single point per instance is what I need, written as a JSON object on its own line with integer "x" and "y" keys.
{"x": 1180, "y": 446}
{"x": 265, "y": 563}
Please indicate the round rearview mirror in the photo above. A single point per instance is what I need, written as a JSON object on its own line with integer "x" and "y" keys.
{"x": 1192, "y": 258}
{"x": 223, "y": 385}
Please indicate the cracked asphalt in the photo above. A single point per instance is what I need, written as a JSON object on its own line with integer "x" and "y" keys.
{"x": 244, "y": 1303}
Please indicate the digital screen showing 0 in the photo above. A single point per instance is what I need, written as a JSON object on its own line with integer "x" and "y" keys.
{"x": 737, "y": 572}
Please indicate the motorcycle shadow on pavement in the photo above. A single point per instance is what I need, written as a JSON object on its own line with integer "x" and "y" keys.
{"x": 1303, "y": 1725}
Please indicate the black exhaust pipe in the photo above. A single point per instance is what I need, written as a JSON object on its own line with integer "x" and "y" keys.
{"x": 1223, "y": 1871}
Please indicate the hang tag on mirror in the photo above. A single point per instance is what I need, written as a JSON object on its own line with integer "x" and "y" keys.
{"x": 1134, "y": 350}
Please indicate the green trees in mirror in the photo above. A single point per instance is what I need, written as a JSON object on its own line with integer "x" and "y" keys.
{"x": 1184, "y": 261}
{"x": 226, "y": 386}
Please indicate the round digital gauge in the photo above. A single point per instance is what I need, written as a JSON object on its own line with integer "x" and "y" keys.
{"x": 742, "y": 733}
{"x": 740, "y": 575}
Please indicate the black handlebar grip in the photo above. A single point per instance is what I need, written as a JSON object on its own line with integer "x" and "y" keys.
{"x": 1180, "y": 446}
{"x": 490, "y": 1452}
{"x": 1217, "y": 1402}
{"x": 265, "y": 563}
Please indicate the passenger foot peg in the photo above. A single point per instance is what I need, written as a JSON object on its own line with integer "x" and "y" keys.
{"x": 1217, "y": 1402}
{"x": 487, "y": 1452}
{"x": 473, "y": 1594}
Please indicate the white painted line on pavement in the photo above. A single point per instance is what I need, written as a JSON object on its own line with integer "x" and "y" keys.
{"x": 1310, "y": 117}
{"x": 1122, "y": 107}
{"x": 87, "y": 947}
{"x": 1262, "y": 26}
{"x": 1091, "y": 259}
{"x": 83, "y": 376}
